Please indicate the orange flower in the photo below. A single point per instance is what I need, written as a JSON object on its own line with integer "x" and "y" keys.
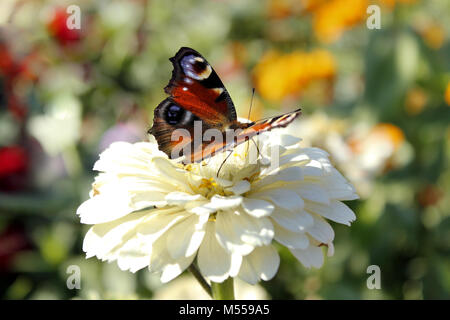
{"x": 447, "y": 94}
{"x": 279, "y": 9}
{"x": 389, "y": 132}
{"x": 278, "y": 75}
{"x": 415, "y": 101}
{"x": 311, "y": 5}
{"x": 333, "y": 17}
{"x": 433, "y": 35}
{"x": 382, "y": 132}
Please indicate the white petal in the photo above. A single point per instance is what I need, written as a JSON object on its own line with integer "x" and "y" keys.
{"x": 185, "y": 237}
{"x": 104, "y": 208}
{"x": 262, "y": 263}
{"x": 336, "y": 211}
{"x": 216, "y": 203}
{"x": 321, "y": 230}
{"x": 313, "y": 192}
{"x": 200, "y": 207}
{"x": 225, "y": 203}
{"x": 161, "y": 261}
{"x": 103, "y": 238}
{"x": 241, "y": 187}
{"x": 346, "y": 192}
{"x": 122, "y": 156}
{"x": 240, "y": 232}
{"x": 168, "y": 172}
{"x": 338, "y": 187}
{"x": 174, "y": 269}
{"x": 214, "y": 262}
{"x": 156, "y": 225}
{"x": 294, "y": 158}
{"x": 294, "y": 221}
{"x": 134, "y": 255}
{"x": 330, "y": 251}
{"x": 310, "y": 257}
{"x": 284, "y": 198}
{"x": 148, "y": 199}
{"x": 180, "y": 198}
{"x": 290, "y": 239}
{"x": 257, "y": 208}
{"x": 285, "y": 174}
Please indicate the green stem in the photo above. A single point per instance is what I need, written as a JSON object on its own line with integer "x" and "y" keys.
{"x": 193, "y": 269}
{"x": 224, "y": 290}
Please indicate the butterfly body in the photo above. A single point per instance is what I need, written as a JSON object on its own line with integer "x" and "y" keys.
{"x": 200, "y": 104}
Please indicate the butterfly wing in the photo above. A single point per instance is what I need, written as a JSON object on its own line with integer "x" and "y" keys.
{"x": 196, "y": 87}
{"x": 196, "y": 94}
{"x": 244, "y": 133}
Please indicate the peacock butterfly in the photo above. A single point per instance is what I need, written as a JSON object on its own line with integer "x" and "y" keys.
{"x": 199, "y": 109}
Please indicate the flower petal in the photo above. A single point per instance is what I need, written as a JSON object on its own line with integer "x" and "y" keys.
{"x": 161, "y": 261}
{"x": 157, "y": 224}
{"x": 239, "y": 232}
{"x": 285, "y": 174}
{"x": 102, "y": 239}
{"x": 225, "y": 203}
{"x": 214, "y": 262}
{"x": 262, "y": 263}
{"x": 134, "y": 255}
{"x": 294, "y": 221}
{"x": 283, "y": 198}
{"x": 313, "y": 192}
{"x": 290, "y": 239}
{"x": 336, "y": 211}
{"x": 180, "y": 198}
{"x": 241, "y": 187}
{"x": 104, "y": 208}
{"x": 185, "y": 237}
{"x": 310, "y": 257}
{"x": 321, "y": 230}
{"x": 257, "y": 208}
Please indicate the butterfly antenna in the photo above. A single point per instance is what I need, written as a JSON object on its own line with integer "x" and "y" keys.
{"x": 251, "y": 104}
{"x": 249, "y": 112}
{"x": 223, "y": 162}
{"x": 256, "y": 145}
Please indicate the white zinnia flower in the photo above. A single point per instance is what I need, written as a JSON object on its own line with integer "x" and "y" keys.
{"x": 148, "y": 210}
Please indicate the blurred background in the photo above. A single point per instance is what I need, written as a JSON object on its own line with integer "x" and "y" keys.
{"x": 377, "y": 100}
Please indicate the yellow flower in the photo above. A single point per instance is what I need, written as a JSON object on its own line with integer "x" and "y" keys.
{"x": 279, "y": 75}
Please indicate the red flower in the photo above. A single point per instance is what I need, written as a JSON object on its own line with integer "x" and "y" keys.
{"x": 13, "y": 71}
{"x": 12, "y": 160}
{"x": 58, "y": 28}
{"x": 12, "y": 241}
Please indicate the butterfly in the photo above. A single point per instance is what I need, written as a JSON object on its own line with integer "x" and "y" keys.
{"x": 199, "y": 105}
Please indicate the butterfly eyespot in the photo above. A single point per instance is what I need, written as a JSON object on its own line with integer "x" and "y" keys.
{"x": 174, "y": 114}
{"x": 195, "y": 67}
